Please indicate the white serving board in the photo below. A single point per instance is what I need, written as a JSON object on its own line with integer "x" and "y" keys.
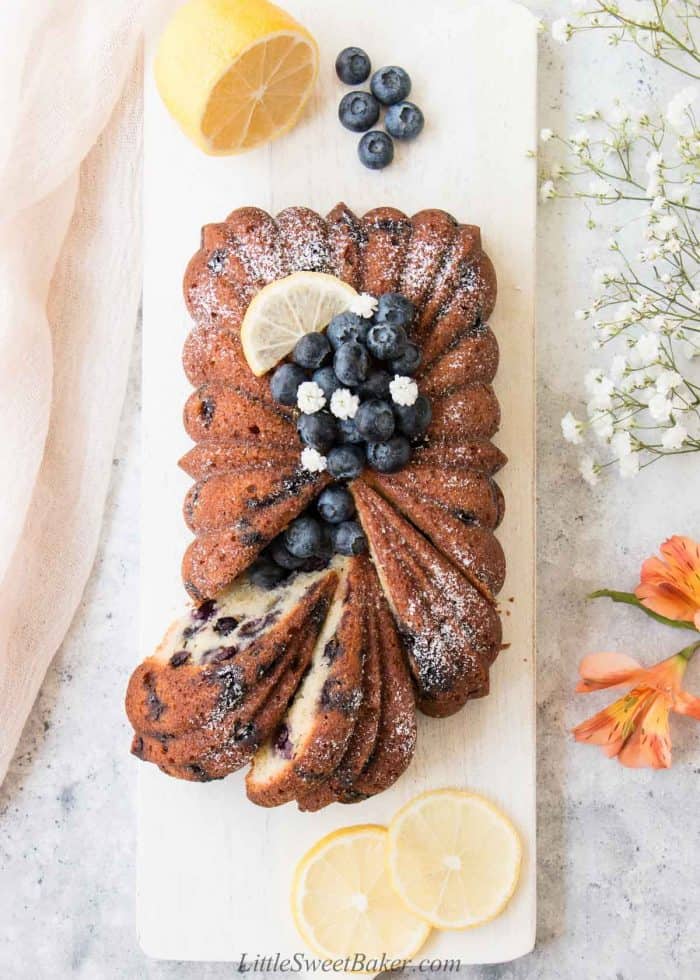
{"x": 214, "y": 871}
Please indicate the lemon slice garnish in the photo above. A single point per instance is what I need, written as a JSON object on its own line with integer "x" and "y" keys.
{"x": 235, "y": 73}
{"x": 343, "y": 902}
{"x": 285, "y": 310}
{"x": 454, "y": 858}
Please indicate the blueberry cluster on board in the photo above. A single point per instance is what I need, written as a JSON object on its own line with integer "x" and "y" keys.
{"x": 358, "y": 406}
{"x": 359, "y": 110}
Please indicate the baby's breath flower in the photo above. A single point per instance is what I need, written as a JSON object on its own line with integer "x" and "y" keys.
{"x": 547, "y": 191}
{"x": 674, "y": 437}
{"x": 571, "y": 429}
{"x": 677, "y": 112}
{"x": 629, "y": 466}
{"x": 589, "y": 470}
{"x": 644, "y": 401}
{"x": 562, "y": 30}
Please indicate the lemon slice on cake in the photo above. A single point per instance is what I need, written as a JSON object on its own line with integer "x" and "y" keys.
{"x": 343, "y": 902}
{"x": 285, "y": 310}
{"x": 454, "y": 858}
{"x": 235, "y": 73}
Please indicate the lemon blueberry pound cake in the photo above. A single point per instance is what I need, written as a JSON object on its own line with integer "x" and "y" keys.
{"x": 344, "y": 567}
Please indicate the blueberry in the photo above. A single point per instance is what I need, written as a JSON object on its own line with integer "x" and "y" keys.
{"x": 349, "y": 539}
{"x": 303, "y": 537}
{"x": 386, "y": 341}
{"x": 345, "y": 327}
{"x": 346, "y": 462}
{"x": 283, "y": 557}
{"x": 375, "y": 420}
{"x": 375, "y": 150}
{"x": 352, "y": 66}
{"x": 408, "y": 363}
{"x": 390, "y": 84}
{"x": 327, "y": 381}
{"x": 395, "y": 308}
{"x": 347, "y": 432}
{"x": 285, "y": 382}
{"x": 317, "y": 431}
{"x": 413, "y": 420}
{"x": 376, "y": 385}
{"x": 266, "y": 574}
{"x": 336, "y": 505}
{"x": 404, "y": 121}
{"x": 388, "y": 457}
{"x": 351, "y": 363}
{"x": 311, "y": 350}
{"x": 358, "y": 111}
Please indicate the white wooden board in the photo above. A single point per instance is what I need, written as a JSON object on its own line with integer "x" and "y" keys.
{"x": 213, "y": 870}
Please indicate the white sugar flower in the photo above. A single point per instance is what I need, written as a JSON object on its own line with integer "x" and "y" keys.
{"x": 344, "y": 404}
{"x": 312, "y": 460}
{"x": 546, "y": 135}
{"x": 404, "y": 391}
{"x": 589, "y": 470}
{"x": 364, "y": 305}
{"x": 659, "y": 204}
{"x": 667, "y": 381}
{"x": 310, "y": 397}
{"x": 571, "y": 429}
{"x": 547, "y": 191}
{"x": 674, "y": 437}
{"x": 660, "y": 408}
{"x": 629, "y": 466}
{"x": 561, "y": 30}
{"x": 677, "y": 112}
{"x": 621, "y": 444}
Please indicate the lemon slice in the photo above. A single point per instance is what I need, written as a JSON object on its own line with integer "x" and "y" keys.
{"x": 234, "y": 73}
{"x": 454, "y": 858}
{"x": 285, "y": 310}
{"x": 343, "y": 902}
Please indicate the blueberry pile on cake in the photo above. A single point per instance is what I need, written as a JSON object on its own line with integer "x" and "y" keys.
{"x": 344, "y": 568}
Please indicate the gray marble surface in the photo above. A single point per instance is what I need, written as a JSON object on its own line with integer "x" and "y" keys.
{"x": 619, "y": 851}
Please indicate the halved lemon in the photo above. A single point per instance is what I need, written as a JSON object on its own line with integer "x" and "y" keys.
{"x": 285, "y": 310}
{"x": 235, "y": 73}
{"x": 454, "y": 858}
{"x": 343, "y": 902}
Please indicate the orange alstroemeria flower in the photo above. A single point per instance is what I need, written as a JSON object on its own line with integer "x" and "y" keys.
{"x": 670, "y": 586}
{"x": 635, "y": 728}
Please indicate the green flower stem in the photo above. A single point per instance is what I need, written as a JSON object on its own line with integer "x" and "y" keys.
{"x": 689, "y": 652}
{"x": 630, "y": 599}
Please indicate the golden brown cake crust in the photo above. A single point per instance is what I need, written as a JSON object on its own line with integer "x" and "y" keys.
{"x": 422, "y": 624}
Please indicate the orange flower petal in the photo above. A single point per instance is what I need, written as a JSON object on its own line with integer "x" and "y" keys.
{"x": 687, "y": 704}
{"x": 613, "y": 725}
{"x": 671, "y": 586}
{"x": 601, "y": 670}
{"x": 650, "y": 744}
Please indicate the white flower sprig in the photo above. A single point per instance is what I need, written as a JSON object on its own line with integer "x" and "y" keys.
{"x": 643, "y": 403}
{"x": 662, "y": 29}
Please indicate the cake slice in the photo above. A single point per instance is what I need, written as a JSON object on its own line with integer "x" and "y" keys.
{"x": 314, "y": 733}
{"x": 451, "y": 632}
{"x": 362, "y": 742}
{"x": 267, "y": 671}
{"x": 211, "y": 662}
